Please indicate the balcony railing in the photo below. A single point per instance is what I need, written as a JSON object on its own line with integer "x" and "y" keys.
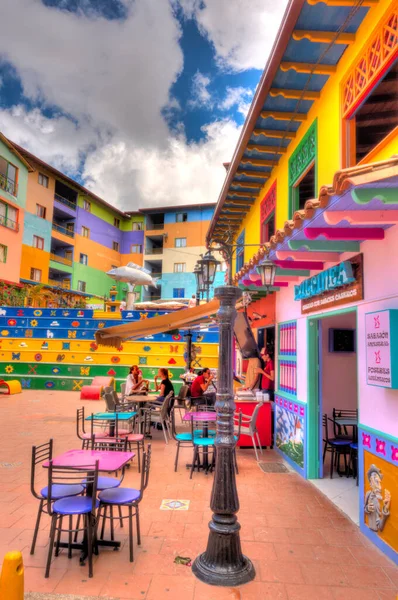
{"x": 9, "y": 223}
{"x": 65, "y": 201}
{"x": 61, "y": 259}
{"x": 63, "y": 230}
{"x": 56, "y": 283}
{"x": 8, "y": 185}
{"x": 154, "y": 251}
{"x": 154, "y": 226}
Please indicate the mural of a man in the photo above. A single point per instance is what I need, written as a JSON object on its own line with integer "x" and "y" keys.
{"x": 376, "y": 507}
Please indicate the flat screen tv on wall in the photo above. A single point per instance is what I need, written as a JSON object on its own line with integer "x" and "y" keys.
{"x": 342, "y": 340}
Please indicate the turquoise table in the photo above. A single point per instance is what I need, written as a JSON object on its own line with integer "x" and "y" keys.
{"x": 113, "y": 416}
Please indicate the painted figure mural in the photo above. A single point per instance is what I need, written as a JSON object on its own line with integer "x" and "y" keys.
{"x": 377, "y": 508}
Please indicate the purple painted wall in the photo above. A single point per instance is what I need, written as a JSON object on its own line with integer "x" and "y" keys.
{"x": 129, "y": 238}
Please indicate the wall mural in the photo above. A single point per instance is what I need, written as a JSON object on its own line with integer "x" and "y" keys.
{"x": 290, "y": 430}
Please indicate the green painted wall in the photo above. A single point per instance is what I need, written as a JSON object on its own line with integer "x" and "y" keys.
{"x": 97, "y": 282}
{"x": 127, "y": 224}
{"x": 6, "y": 153}
{"x": 60, "y": 266}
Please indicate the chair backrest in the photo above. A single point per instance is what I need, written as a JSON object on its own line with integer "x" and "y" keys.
{"x": 253, "y": 420}
{"x": 80, "y": 423}
{"x": 343, "y": 413}
{"x": 39, "y": 455}
{"x": 115, "y": 444}
{"x": 99, "y": 425}
{"x": 73, "y": 476}
{"x": 238, "y": 424}
{"x": 146, "y": 466}
{"x": 164, "y": 410}
{"x": 182, "y": 394}
{"x": 325, "y": 427}
{"x": 173, "y": 423}
{"x": 109, "y": 401}
{"x": 123, "y": 391}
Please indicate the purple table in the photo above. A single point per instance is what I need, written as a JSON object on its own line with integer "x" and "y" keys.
{"x": 107, "y": 461}
{"x": 205, "y": 418}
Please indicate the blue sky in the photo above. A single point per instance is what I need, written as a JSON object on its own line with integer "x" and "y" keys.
{"x": 136, "y": 99}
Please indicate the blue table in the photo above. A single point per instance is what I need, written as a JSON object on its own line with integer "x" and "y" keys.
{"x": 112, "y": 416}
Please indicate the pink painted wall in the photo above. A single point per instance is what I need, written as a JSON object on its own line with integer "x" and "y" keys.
{"x": 339, "y": 370}
{"x": 378, "y": 407}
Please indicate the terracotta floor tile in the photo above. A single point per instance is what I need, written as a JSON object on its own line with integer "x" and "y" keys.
{"x": 317, "y": 573}
{"x": 309, "y": 592}
{"x": 36, "y": 582}
{"x": 294, "y": 552}
{"x": 392, "y": 573}
{"x": 259, "y": 550}
{"x": 335, "y": 554}
{"x": 337, "y": 537}
{"x": 259, "y": 590}
{"x": 280, "y": 573}
{"x": 211, "y": 592}
{"x": 174, "y": 587}
{"x": 387, "y": 595}
{"x": 270, "y": 534}
{"x": 313, "y": 537}
{"x": 366, "y": 576}
{"x": 370, "y": 556}
{"x": 133, "y": 586}
{"x": 345, "y": 593}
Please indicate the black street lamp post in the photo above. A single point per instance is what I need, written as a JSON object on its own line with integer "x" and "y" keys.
{"x": 223, "y": 563}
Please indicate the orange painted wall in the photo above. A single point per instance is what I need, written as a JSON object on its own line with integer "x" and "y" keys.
{"x": 13, "y": 241}
{"x": 194, "y": 232}
{"x": 138, "y": 259}
{"x": 37, "y": 259}
{"x": 38, "y": 194}
{"x": 99, "y": 257}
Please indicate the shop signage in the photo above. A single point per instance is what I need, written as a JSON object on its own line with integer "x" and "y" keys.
{"x": 381, "y": 331}
{"x": 340, "y": 284}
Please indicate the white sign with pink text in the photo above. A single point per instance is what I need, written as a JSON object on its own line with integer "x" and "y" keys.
{"x": 378, "y": 348}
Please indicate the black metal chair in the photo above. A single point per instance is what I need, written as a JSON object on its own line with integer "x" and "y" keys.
{"x": 41, "y": 454}
{"x": 336, "y": 446}
{"x": 125, "y": 497}
{"x": 340, "y": 431}
{"x": 353, "y": 461}
{"x": 82, "y": 434}
{"x": 80, "y": 506}
{"x": 184, "y": 440}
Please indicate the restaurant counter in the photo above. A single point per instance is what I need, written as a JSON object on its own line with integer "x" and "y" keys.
{"x": 264, "y": 422}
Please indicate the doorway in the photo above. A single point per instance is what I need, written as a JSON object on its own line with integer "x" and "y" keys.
{"x": 333, "y": 399}
{"x": 266, "y": 339}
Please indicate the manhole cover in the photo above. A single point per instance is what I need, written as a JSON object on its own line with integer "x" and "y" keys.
{"x": 277, "y": 467}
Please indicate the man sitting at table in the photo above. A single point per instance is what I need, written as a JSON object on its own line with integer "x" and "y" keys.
{"x": 200, "y": 386}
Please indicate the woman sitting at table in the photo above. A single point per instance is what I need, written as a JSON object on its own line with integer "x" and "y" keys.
{"x": 165, "y": 386}
{"x": 134, "y": 382}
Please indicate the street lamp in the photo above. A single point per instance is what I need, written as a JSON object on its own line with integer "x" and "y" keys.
{"x": 199, "y": 281}
{"x": 267, "y": 271}
{"x": 223, "y": 563}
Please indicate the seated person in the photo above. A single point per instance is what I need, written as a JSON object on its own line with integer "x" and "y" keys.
{"x": 188, "y": 376}
{"x": 165, "y": 386}
{"x": 200, "y": 386}
{"x": 134, "y": 382}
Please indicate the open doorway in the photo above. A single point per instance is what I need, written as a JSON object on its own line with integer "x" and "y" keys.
{"x": 338, "y": 411}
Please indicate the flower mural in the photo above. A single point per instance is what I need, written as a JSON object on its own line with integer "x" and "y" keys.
{"x": 394, "y": 453}
{"x": 9, "y": 369}
{"x": 366, "y": 440}
{"x": 380, "y": 447}
{"x": 290, "y": 435}
{"x": 33, "y": 323}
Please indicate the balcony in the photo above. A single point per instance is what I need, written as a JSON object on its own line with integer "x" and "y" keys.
{"x": 65, "y": 201}
{"x": 154, "y": 226}
{"x": 63, "y": 230}
{"x": 154, "y": 251}
{"x": 9, "y": 223}
{"x": 61, "y": 259}
{"x": 8, "y": 185}
{"x": 65, "y": 284}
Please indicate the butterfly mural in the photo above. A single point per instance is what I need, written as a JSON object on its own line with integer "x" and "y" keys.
{"x": 84, "y": 370}
{"x": 25, "y": 383}
{"x": 16, "y": 356}
{"x": 72, "y": 334}
{"x": 174, "y": 348}
{"x": 143, "y": 316}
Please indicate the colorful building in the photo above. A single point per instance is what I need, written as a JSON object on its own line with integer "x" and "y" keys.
{"x": 67, "y": 238}
{"x": 313, "y": 185}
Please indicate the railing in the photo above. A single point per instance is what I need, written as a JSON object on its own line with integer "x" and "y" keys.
{"x": 155, "y": 226}
{"x": 56, "y": 283}
{"x": 63, "y": 230}
{"x": 61, "y": 259}
{"x": 154, "y": 251}
{"x": 65, "y": 201}
{"x": 9, "y": 223}
{"x": 8, "y": 185}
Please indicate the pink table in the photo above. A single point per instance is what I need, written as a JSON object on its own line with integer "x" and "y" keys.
{"x": 107, "y": 460}
{"x": 200, "y": 416}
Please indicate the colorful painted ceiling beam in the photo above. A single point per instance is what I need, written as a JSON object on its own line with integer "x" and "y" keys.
{"x": 324, "y": 245}
{"x": 294, "y": 94}
{"x": 292, "y": 272}
{"x": 257, "y": 283}
{"x": 361, "y": 217}
{"x": 322, "y": 256}
{"x": 258, "y": 163}
{"x": 345, "y": 233}
{"x": 246, "y": 184}
{"x": 273, "y": 133}
{"x": 312, "y": 265}
{"x": 267, "y": 149}
{"x": 308, "y": 68}
{"x": 242, "y": 194}
{"x": 343, "y": 2}
{"x": 255, "y": 174}
{"x": 365, "y": 195}
{"x": 323, "y": 37}
{"x": 283, "y": 116}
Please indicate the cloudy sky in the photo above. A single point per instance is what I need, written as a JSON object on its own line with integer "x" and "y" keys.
{"x": 140, "y": 100}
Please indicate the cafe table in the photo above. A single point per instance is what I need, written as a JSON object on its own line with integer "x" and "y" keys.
{"x": 108, "y": 462}
{"x": 204, "y": 417}
{"x": 112, "y": 416}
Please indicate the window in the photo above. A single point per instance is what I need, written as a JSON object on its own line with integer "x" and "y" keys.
{"x": 137, "y": 226}
{"x": 116, "y": 222}
{"x": 240, "y": 251}
{"x": 267, "y": 215}
{"x": 69, "y": 255}
{"x": 3, "y": 253}
{"x": 43, "y": 180}
{"x": 136, "y": 249}
{"x": 302, "y": 170}
{"x": 180, "y": 242}
{"x": 81, "y": 286}
{"x": 83, "y": 259}
{"x": 85, "y": 232}
{"x": 115, "y": 246}
{"x": 179, "y": 267}
{"x": 178, "y": 292}
{"x": 181, "y": 217}
{"x": 40, "y": 211}
{"x": 304, "y": 189}
{"x": 35, "y": 274}
{"x": 70, "y": 227}
{"x": 87, "y": 205}
{"x": 8, "y": 176}
{"x": 8, "y": 216}
{"x": 38, "y": 242}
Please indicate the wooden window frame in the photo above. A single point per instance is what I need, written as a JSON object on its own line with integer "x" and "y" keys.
{"x": 35, "y": 240}
{"x": 43, "y": 177}
{"x": 34, "y": 270}
{"x": 84, "y": 228}
{"x": 116, "y": 246}
{"x": 4, "y": 252}
{"x": 44, "y": 211}
{"x": 267, "y": 212}
{"x": 182, "y": 264}
{"x": 181, "y": 246}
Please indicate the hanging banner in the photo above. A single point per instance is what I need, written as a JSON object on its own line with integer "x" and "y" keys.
{"x": 341, "y": 284}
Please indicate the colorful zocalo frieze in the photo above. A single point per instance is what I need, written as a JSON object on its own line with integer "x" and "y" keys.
{"x": 378, "y": 482}
{"x": 57, "y": 313}
{"x": 89, "y": 334}
{"x": 290, "y": 432}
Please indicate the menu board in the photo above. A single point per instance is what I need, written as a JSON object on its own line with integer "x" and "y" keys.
{"x": 381, "y": 338}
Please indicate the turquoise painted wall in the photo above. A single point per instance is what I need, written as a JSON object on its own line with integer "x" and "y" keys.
{"x": 34, "y": 225}
{"x": 193, "y": 215}
{"x": 20, "y": 199}
{"x": 186, "y": 281}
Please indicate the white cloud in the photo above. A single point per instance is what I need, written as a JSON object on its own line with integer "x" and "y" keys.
{"x": 239, "y": 97}
{"x": 200, "y": 94}
{"x": 242, "y": 31}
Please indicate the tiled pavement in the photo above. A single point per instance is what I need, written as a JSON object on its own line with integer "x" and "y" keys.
{"x": 303, "y": 548}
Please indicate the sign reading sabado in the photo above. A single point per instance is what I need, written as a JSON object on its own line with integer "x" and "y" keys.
{"x": 381, "y": 329}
